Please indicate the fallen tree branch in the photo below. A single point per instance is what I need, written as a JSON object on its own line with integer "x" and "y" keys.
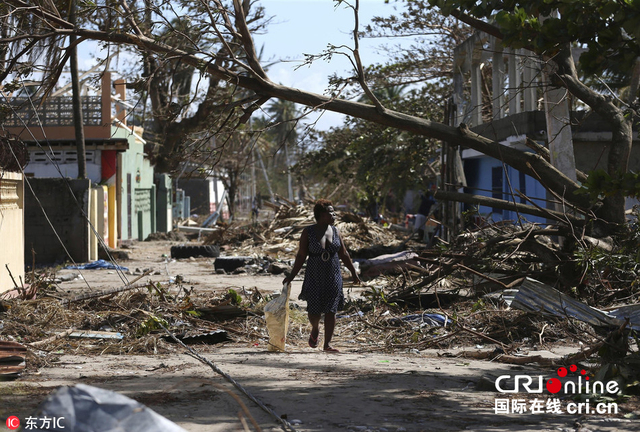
{"x": 483, "y": 336}
{"x": 127, "y": 287}
{"x": 252, "y": 80}
{"x": 51, "y": 339}
{"x": 510, "y": 359}
{"x": 440, "y": 339}
{"x": 504, "y": 205}
{"x": 544, "y": 152}
{"x": 484, "y": 276}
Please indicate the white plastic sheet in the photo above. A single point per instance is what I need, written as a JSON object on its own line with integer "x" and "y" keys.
{"x": 276, "y": 313}
{"x": 84, "y": 408}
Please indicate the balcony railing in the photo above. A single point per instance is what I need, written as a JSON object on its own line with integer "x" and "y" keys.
{"x": 56, "y": 111}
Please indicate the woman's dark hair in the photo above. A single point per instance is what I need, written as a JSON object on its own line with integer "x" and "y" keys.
{"x": 322, "y": 206}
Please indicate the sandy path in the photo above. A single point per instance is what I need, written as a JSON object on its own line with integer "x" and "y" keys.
{"x": 354, "y": 390}
{"x": 316, "y": 391}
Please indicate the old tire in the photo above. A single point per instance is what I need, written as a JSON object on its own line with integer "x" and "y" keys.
{"x": 209, "y": 251}
{"x": 229, "y": 264}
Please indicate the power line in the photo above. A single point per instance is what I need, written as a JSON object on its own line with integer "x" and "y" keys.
{"x": 119, "y": 272}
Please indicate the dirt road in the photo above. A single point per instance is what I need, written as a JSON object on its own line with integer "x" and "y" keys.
{"x": 358, "y": 389}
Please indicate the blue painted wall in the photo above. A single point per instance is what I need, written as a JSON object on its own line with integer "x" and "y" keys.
{"x": 486, "y": 176}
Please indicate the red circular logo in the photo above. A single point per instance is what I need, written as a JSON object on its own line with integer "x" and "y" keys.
{"x": 13, "y": 422}
{"x": 554, "y": 385}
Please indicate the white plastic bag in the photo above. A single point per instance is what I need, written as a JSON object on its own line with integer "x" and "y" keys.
{"x": 276, "y": 313}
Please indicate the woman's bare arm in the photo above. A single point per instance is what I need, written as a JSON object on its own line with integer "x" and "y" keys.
{"x": 346, "y": 259}
{"x": 301, "y": 256}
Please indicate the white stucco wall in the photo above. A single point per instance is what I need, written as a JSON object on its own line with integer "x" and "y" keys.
{"x": 43, "y": 165}
{"x": 11, "y": 229}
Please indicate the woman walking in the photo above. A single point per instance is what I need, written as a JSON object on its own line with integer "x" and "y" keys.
{"x": 322, "y": 286}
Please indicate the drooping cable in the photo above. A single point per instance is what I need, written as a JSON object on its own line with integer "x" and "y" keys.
{"x": 110, "y": 257}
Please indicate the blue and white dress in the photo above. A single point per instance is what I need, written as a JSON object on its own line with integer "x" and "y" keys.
{"x": 322, "y": 286}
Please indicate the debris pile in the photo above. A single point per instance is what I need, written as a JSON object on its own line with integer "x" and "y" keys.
{"x": 139, "y": 319}
{"x": 279, "y": 238}
{"x": 500, "y": 256}
{"x": 121, "y": 322}
{"x": 506, "y": 290}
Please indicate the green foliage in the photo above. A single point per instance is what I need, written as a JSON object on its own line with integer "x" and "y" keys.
{"x": 625, "y": 373}
{"x": 622, "y": 265}
{"x": 151, "y": 324}
{"x": 614, "y": 273}
{"x": 235, "y": 298}
{"x": 607, "y": 29}
{"x": 428, "y": 57}
{"x": 363, "y": 163}
{"x": 158, "y": 290}
{"x": 478, "y": 305}
{"x": 369, "y": 161}
{"x": 377, "y": 296}
{"x": 601, "y": 184}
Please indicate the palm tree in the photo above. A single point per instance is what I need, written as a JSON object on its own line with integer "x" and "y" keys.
{"x": 284, "y": 119}
{"x": 386, "y": 94}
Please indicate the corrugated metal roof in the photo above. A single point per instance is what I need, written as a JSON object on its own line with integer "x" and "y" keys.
{"x": 535, "y": 296}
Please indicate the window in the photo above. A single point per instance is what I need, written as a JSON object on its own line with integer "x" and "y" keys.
{"x": 522, "y": 186}
{"x": 496, "y": 186}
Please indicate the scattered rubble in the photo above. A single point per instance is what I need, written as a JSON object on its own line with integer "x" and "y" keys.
{"x": 507, "y": 290}
{"x": 280, "y": 237}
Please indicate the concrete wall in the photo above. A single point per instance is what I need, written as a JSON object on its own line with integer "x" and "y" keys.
{"x": 202, "y": 195}
{"x": 43, "y": 165}
{"x": 11, "y": 229}
{"x": 66, "y": 216}
{"x": 594, "y": 155}
{"x": 591, "y": 136}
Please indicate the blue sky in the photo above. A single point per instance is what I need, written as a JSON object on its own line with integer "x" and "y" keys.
{"x": 300, "y": 27}
{"x": 306, "y": 27}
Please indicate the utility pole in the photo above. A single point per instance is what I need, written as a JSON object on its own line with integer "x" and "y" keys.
{"x": 77, "y": 100}
{"x": 266, "y": 176}
{"x": 289, "y": 183}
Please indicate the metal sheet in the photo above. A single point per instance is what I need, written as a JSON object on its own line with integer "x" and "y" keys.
{"x": 632, "y": 312}
{"x": 535, "y": 296}
{"x": 12, "y": 360}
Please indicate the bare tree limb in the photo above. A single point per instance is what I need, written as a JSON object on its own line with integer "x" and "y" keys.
{"x": 130, "y": 17}
{"x": 544, "y": 152}
{"x": 247, "y": 40}
{"x": 256, "y": 81}
{"x": 359, "y": 68}
{"x": 502, "y": 204}
{"x": 40, "y": 12}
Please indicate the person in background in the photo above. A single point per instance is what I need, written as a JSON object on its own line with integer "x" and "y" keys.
{"x": 426, "y": 203}
{"x": 322, "y": 286}
{"x": 255, "y": 210}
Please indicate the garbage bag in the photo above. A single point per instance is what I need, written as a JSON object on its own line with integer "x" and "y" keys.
{"x": 276, "y": 313}
{"x": 83, "y": 408}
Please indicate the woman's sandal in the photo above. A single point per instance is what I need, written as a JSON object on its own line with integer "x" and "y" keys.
{"x": 313, "y": 342}
{"x": 331, "y": 350}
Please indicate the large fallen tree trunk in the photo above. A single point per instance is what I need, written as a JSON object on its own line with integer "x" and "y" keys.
{"x": 251, "y": 76}
{"x": 255, "y": 79}
{"x": 507, "y": 205}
